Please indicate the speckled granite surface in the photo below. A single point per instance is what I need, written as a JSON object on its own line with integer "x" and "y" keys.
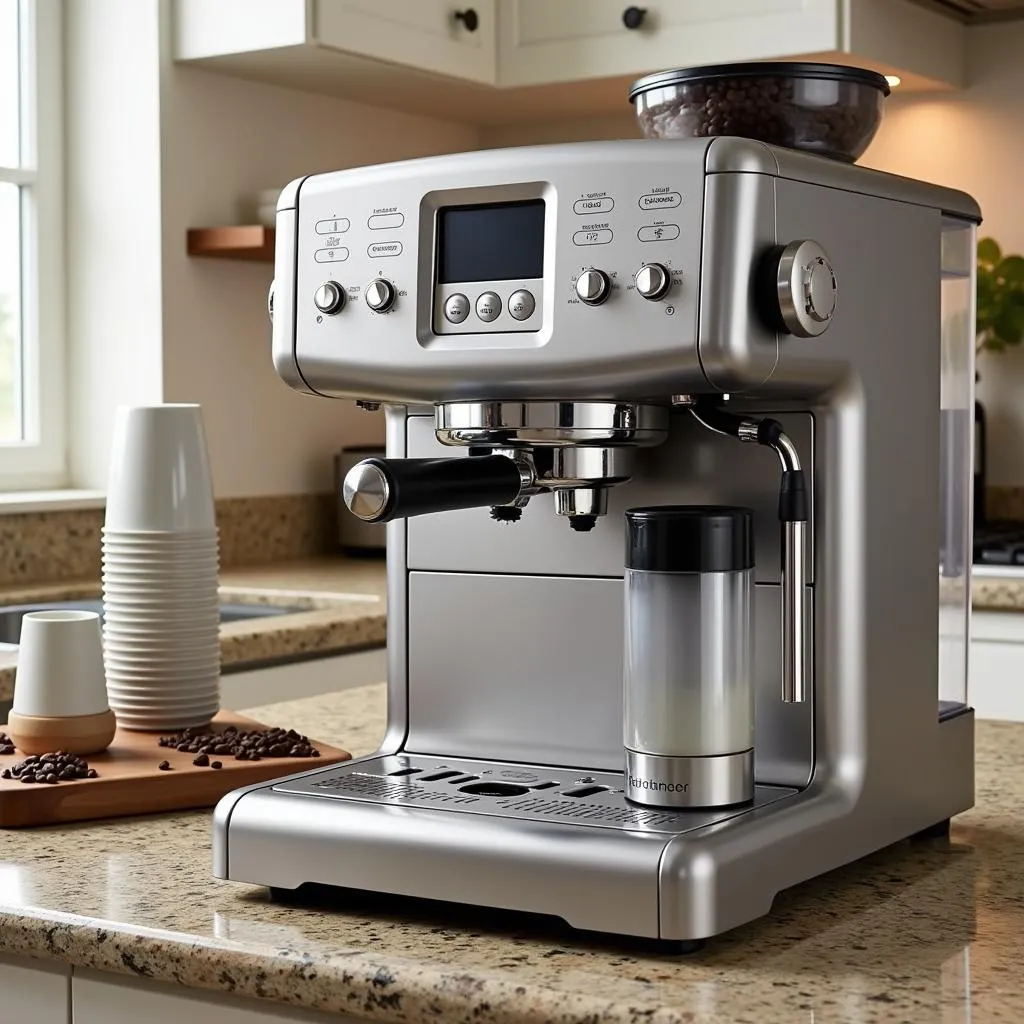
{"x": 342, "y": 601}
{"x": 922, "y": 933}
{"x": 61, "y": 545}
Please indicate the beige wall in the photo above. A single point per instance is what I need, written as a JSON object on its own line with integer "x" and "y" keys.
{"x": 223, "y": 137}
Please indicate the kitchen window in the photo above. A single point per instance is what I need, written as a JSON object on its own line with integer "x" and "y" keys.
{"x": 32, "y": 384}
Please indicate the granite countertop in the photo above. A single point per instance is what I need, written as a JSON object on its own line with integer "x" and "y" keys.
{"x": 342, "y": 602}
{"x": 924, "y": 932}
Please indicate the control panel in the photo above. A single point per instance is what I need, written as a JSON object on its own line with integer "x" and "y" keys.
{"x": 549, "y": 259}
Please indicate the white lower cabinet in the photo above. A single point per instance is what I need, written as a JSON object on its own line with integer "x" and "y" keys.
{"x": 109, "y": 999}
{"x": 996, "y": 683}
{"x": 34, "y": 991}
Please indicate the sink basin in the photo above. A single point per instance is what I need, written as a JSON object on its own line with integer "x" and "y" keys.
{"x": 11, "y": 616}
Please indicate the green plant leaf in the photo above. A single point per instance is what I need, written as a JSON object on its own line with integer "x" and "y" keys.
{"x": 989, "y": 251}
{"x": 1007, "y": 327}
{"x": 1011, "y": 270}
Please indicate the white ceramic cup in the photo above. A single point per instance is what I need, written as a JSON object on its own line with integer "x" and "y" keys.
{"x": 159, "y": 470}
{"x": 60, "y": 665}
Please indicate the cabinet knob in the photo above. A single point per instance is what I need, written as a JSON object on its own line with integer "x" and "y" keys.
{"x": 633, "y": 17}
{"x": 469, "y": 18}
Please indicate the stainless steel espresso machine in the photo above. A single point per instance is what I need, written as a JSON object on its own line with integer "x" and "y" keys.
{"x": 765, "y": 358}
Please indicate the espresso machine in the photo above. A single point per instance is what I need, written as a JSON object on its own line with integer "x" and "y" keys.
{"x": 722, "y": 385}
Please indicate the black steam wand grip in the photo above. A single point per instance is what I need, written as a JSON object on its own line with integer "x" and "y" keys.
{"x": 378, "y": 490}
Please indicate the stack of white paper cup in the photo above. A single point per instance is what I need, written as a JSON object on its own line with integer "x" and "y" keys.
{"x": 160, "y": 560}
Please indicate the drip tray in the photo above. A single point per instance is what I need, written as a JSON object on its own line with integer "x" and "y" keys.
{"x": 566, "y": 795}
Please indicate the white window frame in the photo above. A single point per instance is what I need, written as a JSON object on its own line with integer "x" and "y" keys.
{"x": 40, "y": 460}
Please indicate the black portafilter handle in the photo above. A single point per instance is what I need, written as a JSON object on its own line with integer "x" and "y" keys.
{"x": 378, "y": 490}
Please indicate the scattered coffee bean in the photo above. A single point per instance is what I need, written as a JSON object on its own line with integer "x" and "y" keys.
{"x": 58, "y": 766}
{"x": 216, "y": 764}
{"x": 202, "y": 760}
{"x": 6, "y": 744}
{"x": 252, "y": 745}
{"x": 164, "y": 766}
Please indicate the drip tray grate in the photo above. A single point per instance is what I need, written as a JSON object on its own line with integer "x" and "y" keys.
{"x": 508, "y": 791}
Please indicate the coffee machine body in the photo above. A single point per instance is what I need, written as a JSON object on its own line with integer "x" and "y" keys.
{"x": 500, "y": 779}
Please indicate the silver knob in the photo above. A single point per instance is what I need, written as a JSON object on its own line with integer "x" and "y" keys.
{"x": 365, "y": 490}
{"x": 592, "y": 286}
{"x": 807, "y": 289}
{"x": 329, "y": 297}
{"x": 652, "y": 281}
{"x": 380, "y": 295}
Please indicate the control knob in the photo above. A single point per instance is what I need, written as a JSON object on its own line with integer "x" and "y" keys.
{"x": 652, "y": 281}
{"x": 593, "y": 286}
{"x": 329, "y": 297}
{"x": 805, "y": 289}
{"x": 380, "y": 295}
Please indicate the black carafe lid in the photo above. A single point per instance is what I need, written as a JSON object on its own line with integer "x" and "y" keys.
{"x": 690, "y": 538}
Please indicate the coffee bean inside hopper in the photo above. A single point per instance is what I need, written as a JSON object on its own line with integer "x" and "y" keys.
{"x": 774, "y": 110}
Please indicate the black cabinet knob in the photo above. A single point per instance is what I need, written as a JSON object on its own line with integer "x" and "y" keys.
{"x": 633, "y": 17}
{"x": 469, "y": 18}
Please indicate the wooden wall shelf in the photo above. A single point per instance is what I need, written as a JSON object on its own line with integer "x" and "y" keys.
{"x": 244, "y": 242}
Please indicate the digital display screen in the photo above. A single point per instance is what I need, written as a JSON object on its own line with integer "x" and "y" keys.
{"x": 503, "y": 242}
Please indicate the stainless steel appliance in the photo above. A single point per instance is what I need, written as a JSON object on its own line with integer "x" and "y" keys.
{"x": 564, "y": 333}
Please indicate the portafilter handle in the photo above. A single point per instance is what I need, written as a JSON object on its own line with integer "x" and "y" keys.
{"x": 379, "y": 490}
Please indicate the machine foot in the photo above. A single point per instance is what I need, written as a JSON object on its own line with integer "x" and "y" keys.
{"x": 680, "y": 947}
{"x": 940, "y": 830}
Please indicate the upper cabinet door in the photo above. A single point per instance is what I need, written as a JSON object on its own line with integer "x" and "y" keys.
{"x": 442, "y": 36}
{"x": 546, "y": 41}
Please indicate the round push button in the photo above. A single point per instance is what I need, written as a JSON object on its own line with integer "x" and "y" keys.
{"x": 521, "y": 304}
{"x": 488, "y": 306}
{"x": 456, "y": 308}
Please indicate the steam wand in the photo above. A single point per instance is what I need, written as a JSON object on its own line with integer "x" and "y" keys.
{"x": 793, "y": 514}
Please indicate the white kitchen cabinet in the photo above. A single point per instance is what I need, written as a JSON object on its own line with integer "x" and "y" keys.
{"x": 34, "y": 991}
{"x": 530, "y": 59}
{"x": 412, "y": 54}
{"x": 996, "y": 682}
{"x": 425, "y": 34}
{"x": 545, "y": 41}
{"x": 297, "y": 679}
{"x": 109, "y": 999}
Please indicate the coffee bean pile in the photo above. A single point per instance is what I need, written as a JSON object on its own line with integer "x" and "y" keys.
{"x": 6, "y": 744}
{"x": 834, "y": 119}
{"x": 253, "y": 745}
{"x": 59, "y": 766}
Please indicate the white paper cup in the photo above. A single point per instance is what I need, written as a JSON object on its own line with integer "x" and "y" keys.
{"x": 60, "y": 665}
{"x": 200, "y": 688}
{"x": 163, "y": 721}
{"x": 159, "y": 470}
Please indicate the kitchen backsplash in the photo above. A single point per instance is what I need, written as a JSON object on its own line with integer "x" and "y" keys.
{"x": 41, "y": 547}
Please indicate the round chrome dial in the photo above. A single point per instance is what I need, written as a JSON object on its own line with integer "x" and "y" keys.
{"x": 329, "y": 297}
{"x": 366, "y": 491}
{"x": 652, "y": 281}
{"x": 807, "y": 290}
{"x": 380, "y": 295}
{"x": 593, "y": 286}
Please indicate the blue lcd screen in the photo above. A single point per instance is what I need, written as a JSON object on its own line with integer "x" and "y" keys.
{"x": 503, "y": 242}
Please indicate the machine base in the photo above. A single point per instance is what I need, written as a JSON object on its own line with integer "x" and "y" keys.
{"x": 565, "y": 843}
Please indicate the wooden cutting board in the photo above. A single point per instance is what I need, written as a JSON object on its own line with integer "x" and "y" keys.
{"x": 129, "y": 781}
